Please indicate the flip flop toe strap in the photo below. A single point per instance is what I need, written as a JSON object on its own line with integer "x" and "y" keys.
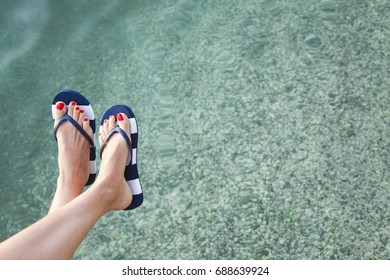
{"x": 123, "y": 133}
{"x": 66, "y": 117}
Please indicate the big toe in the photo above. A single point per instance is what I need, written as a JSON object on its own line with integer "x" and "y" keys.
{"x": 59, "y": 111}
{"x": 123, "y": 122}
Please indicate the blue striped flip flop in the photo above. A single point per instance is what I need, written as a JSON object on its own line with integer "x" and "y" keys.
{"x": 131, "y": 170}
{"x": 68, "y": 96}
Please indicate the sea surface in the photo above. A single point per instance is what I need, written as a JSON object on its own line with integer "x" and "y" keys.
{"x": 263, "y": 124}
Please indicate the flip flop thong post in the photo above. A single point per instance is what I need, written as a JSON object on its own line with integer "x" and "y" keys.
{"x": 68, "y": 96}
{"x": 131, "y": 170}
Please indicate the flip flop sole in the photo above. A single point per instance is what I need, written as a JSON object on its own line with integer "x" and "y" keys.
{"x": 131, "y": 170}
{"x": 68, "y": 96}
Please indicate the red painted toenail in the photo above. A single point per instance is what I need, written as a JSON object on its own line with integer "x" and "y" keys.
{"x": 72, "y": 103}
{"x": 81, "y": 111}
{"x": 85, "y": 119}
{"x": 119, "y": 117}
{"x": 105, "y": 121}
{"x": 60, "y": 105}
{"x": 77, "y": 108}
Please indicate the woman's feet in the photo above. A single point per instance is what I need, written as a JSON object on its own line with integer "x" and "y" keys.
{"x": 73, "y": 159}
{"x": 73, "y": 154}
{"x": 114, "y": 158}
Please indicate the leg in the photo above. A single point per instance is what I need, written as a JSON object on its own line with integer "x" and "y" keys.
{"x": 73, "y": 155}
{"x": 58, "y": 235}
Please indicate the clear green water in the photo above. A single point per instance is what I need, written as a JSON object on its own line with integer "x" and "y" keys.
{"x": 264, "y": 125}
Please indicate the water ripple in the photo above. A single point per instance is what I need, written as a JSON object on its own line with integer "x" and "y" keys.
{"x": 272, "y": 7}
{"x": 177, "y": 24}
{"x": 28, "y": 18}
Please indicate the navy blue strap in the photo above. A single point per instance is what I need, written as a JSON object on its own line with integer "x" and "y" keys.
{"x": 123, "y": 133}
{"x": 66, "y": 117}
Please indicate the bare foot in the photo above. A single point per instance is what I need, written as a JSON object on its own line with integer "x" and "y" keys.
{"x": 113, "y": 164}
{"x": 73, "y": 154}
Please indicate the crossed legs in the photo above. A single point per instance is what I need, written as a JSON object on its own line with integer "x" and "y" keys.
{"x": 73, "y": 213}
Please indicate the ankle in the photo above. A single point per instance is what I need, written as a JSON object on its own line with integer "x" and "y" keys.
{"x": 70, "y": 183}
{"x": 114, "y": 192}
{"x": 104, "y": 189}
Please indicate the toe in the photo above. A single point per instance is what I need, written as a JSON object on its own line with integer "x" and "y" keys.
{"x": 86, "y": 125}
{"x": 105, "y": 128}
{"x": 111, "y": 123}
{"x": 76, "y": 114}
{"x": 60, "y": 110}
{"x": 103, "y": 132}
{"x": 71, "y": 108}
{"x": 124, "y": 122}
{"x": 101, "y": 138}
{"x": 81, "y": 117}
